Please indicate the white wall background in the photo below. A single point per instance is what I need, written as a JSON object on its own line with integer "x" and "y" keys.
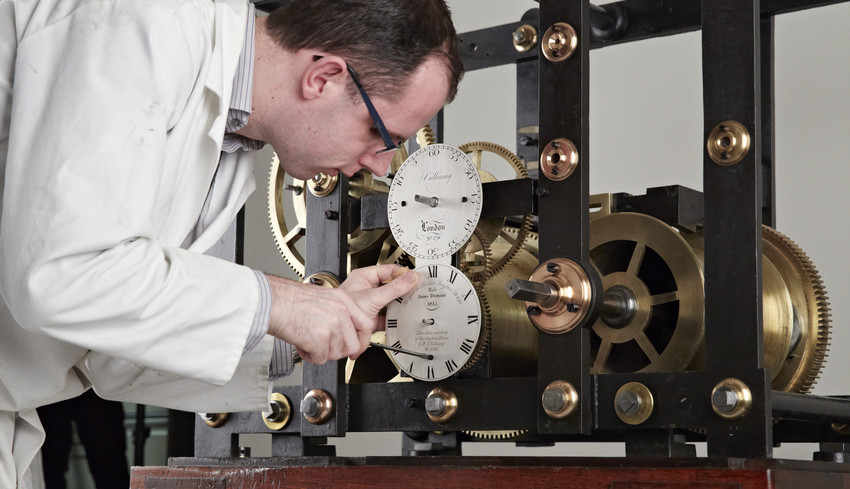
{"x": 646, "y": 131}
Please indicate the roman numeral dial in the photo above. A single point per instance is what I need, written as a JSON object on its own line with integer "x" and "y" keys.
{"x": 442, "y": 317}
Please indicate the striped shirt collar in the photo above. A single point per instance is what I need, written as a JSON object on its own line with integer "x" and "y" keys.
{"x": 240, "y": 101}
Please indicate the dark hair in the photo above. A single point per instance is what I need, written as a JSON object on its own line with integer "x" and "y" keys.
{"x": 383, "y": 40}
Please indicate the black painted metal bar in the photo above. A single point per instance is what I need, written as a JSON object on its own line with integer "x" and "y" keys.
{"x": 733, "y": 200}
{"x": 768, "y": 142}
{"x": 327, "y": 251}
{"x": 563, "y": 205}
{"x": 646, "y": 19}
{"x": 805, "y": 407}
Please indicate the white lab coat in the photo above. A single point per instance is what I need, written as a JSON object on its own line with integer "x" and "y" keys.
{"x": 112, "y": 118}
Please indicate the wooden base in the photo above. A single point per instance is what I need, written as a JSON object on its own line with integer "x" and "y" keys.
{"x": 490, "y": 472}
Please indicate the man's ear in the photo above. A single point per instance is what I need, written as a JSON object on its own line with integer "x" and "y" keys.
{"x": 326, "y": 75}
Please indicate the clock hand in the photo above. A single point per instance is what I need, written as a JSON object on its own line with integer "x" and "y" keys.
{"x": 426, "y": 356}
{"x": 432, "y": 201}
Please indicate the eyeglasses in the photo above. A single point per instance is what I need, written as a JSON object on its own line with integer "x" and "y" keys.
{"x": 379, "y": 124}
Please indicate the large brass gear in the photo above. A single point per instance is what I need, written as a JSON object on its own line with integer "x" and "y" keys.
{"x": 364, "y": 246}
{"x": 494, "y": 227}
{"x": 644, "y": 255}
{"x": 662, "y": 267}
{"x": 800, "y": 367}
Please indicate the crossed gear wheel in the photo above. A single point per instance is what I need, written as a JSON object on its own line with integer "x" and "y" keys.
{"x": 494, "y": 227}
{"x": 365, "y": 247}
{"x": 661, "y": 269}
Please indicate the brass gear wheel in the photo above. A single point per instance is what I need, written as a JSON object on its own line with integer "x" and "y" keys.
{"x": 662, "y": 268}
{"x": 800, "y": 368}
{"x": 647, "y": 257}
{"x": 364, "y": 246}
{"x": 494, "y": 227}
{"x": 496, "y": 435}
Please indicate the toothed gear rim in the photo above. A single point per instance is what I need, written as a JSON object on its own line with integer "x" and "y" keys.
{"x": 477, "y": 148}
{"x": 803, "y": 366}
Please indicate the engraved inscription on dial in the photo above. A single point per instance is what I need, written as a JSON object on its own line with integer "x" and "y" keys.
{"x": 434, "y": 201}
{"x": 442, "y": 317}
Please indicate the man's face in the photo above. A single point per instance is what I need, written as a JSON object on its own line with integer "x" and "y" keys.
{"x": 347, "y": 140}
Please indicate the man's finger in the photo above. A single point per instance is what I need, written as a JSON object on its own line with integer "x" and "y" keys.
{"x": 398, "y": 287}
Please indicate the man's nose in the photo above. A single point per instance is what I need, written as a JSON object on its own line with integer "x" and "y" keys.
{"x": 376, "y": 163}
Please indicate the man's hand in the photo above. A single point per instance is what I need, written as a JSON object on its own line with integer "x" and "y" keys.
{"x": 329, "y": 324}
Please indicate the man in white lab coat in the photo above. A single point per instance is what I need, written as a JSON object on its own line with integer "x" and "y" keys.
{"x": 127, "y": 132}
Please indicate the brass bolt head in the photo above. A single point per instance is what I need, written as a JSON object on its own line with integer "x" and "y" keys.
{"x": 559, "y": 399}
{"x": 731, "y": 399}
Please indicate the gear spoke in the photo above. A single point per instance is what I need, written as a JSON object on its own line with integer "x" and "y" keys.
{"x": 294, "y": 235}
{"x": 658, "y": 299}
{"x": 477, "y": 157}
{"x": 637, "y": 258}
{"x": 507, "y": 237}
{"x": 602, "y": 356}
{"x": 647, "y": 347}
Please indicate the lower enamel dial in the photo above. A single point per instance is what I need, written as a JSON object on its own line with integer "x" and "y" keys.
{"x": 440, "y": 317}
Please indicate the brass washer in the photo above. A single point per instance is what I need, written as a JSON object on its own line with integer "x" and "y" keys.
{"x": 451, "y": 404}
{"x": 646, "y": 403}
{"x": 326, "y": 406}
{"x": 571, "y": 395}
{"x": 743, "y": 393}
{"x": 214, "y": 420}
{"x": 525, "y": 38}
{"x": 284, "y": 414}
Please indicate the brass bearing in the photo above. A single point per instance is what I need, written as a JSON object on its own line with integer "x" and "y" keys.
{"x": 728, "y": 143}
{"x": 559, "y": 159}
{"x": 322, "y": 184}
{"x": 559, "y": 42}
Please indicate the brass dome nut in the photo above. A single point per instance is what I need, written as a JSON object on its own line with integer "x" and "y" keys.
{"x": 634, "y": 403}
{"x": 279, "y": 413}
{"x": 441, "y": 405}
{"x": 525, "y": 38}
{"x": 559, "y": 399}
{"x": 731, "y": 399}
{"x": 214, "y": 420}
{"x": 317, "y": 406}
{"x": 728, "y": 143}
{"x": 322, "y": 184}
{"x": 559, "y": 42}
{"x": 559, "y": 159}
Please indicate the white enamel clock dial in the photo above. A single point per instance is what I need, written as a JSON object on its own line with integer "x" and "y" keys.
{"x": 434, "y": 202}
{"x": 440, "y": 317}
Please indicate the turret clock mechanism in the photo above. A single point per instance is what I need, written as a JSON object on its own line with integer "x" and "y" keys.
{"x": 544, "y": 314}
